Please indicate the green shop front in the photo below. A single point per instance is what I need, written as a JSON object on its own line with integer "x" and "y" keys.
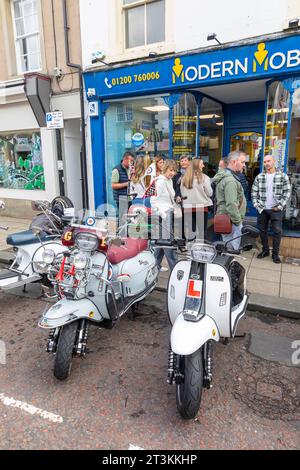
{"x": 203, "y": 104}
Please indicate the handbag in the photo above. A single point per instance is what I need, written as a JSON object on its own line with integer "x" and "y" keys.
{"x": 222, "y": 224}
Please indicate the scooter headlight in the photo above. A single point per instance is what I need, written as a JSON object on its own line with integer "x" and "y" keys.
{"x": 48, "y": 256}
{"x": 40, "y": 267}
{"x": 80, "y": 261}
{"x": 203, "y": 253}
{"x": 87, "y": 241}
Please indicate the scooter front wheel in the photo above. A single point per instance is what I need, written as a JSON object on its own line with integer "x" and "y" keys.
{"x": 64, "y": 352}
{"x": 189, "y": 391}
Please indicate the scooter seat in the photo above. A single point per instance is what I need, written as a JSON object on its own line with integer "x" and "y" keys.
{"x": 131, "y": 247}
{"x": 24, "y": 238}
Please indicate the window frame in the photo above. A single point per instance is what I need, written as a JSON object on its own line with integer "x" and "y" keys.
{"x": 17, "y": 40}
{"x": 138, "y": 3}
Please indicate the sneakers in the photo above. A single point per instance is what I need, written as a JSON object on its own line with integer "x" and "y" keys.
{"x": 263, "y": 254}
{"x": 276, "y": 259}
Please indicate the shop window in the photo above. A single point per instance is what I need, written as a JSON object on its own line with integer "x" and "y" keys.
{"x": 21, "y": 162}
{"x": 185, "y": 126}
{"x": 144, "y": 22}
{"x": 211, "y": 134}
{"x": 124, "y": 113}
{"x": 277, "y": 123}
{"x": 149, "y": 117}
{"x": 293, "y": 168}
{"x": 27, "y": 37}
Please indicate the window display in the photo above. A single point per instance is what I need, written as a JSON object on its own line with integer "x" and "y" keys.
{"x": 293, "y": 164}
{"x": 185, "y": 126}
{"x": 21, "y": 161}
{"x": 277, "y": 122}
{"x": 211, "y": 134}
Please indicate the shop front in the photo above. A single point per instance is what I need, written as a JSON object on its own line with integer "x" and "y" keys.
{"x": 203, "y": 104}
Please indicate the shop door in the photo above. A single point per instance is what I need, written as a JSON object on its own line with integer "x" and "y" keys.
{"x": 251, "y": 143}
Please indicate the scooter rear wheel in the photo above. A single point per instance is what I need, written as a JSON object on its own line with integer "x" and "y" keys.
{"x": 189, "y": 391}
{"x": 64, "y": 352}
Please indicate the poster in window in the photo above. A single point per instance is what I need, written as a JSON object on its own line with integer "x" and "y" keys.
{"x": 21, "y": 161}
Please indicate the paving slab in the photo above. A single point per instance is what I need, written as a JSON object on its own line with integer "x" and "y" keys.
{"x": 264, "y": 275}
{"x": 288, "y": 291}
{"x": 272, "y": 348}
{"x": 291, "y": 278}
{"x": 262, "y": 287}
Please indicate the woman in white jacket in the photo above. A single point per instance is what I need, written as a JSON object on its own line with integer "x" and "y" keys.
{"x": 164, "y": 203}
{"x": 196, "y": 194}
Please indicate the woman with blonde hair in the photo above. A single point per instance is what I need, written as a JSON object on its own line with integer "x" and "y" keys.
{"x": 137, "y": 182}
{"x": 196, "y": 193}
{"x": 164, "y": 203}
{"x": 154, "y": 170}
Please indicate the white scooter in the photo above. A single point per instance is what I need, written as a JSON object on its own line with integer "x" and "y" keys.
{"x": 207, "y": 297}
{"x": 2, "y": 207}
{"x": 28, "y": 265}
{"x": 96, "y": 281}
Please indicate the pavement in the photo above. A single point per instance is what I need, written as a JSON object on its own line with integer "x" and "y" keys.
{"x": 273, "y": 288}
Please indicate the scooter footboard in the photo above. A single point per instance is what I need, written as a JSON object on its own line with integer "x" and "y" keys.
{"x": 187, "y": 337}
{"x": 67, "y": 311}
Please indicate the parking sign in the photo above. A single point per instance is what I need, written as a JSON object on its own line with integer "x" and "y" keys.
{"x": 55, "y": 120}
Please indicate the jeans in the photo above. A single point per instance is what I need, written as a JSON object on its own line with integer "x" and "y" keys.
{"x": 276, "y": 218}
{"x": 170, "y": 254}
{"x": 236, "y": 232}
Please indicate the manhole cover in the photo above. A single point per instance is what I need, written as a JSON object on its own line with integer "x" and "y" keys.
{"x": 270, "y": 391}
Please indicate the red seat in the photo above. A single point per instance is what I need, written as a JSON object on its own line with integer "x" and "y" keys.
{"x": 131, "y": 248}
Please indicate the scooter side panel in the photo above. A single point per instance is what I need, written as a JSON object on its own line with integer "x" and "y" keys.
{"x": 24, "y": 259}
{"x": 177, "y": 289}
{"x": 142, "y": 272}
{"x": 67, "y": 311}
{"x": 238, "y": 313}
{"x": 218, "y": 298}
{"x": 187, "y": 337}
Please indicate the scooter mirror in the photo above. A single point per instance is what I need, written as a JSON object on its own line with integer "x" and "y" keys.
{"x": 250, "y": 231}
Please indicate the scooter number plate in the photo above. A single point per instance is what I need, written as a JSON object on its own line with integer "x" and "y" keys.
{"x": 194, "y": 295}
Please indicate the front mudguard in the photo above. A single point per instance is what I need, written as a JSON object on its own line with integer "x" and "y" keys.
{"x": 187, "y": 337}
{"x": 68, "y": 311}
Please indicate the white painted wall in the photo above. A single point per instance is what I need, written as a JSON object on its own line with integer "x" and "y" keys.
{"x": 188, "y": 22}
{"x": 72, "y": 174}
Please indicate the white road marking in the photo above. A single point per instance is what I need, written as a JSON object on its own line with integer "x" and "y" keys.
{"x": 131, "y": 447}
{"x": 32, "y": 410}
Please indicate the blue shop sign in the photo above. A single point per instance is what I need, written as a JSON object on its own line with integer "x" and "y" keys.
{"x": 262, "y": 60}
